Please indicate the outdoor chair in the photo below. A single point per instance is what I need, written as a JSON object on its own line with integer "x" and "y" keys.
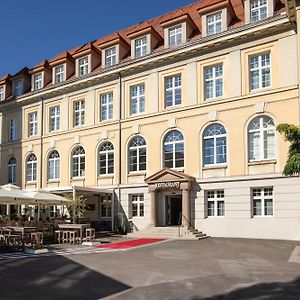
{"x": 37, "y": 239}
{"x": 90, "y": 234}
{"x": 73, "y": 237}
{"x": 58, "y": 235}
{"x": 65, "y": 236}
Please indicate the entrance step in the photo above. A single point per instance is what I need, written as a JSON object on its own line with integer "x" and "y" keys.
{"x": 169, "y": 233}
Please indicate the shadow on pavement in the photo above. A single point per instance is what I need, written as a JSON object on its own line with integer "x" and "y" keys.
{"x": 272, "y": 290}
{"x": 54, "y": 278}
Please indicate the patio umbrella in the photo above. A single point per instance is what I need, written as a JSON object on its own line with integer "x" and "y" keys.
{"x": 46, "y": 198}
{"x": 12, "y": 194}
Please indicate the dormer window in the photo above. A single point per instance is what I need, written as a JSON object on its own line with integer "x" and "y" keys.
{"x": 258, "y": 10}
{"x": 18, "y": 89}
{"x": 110, "y": 56}
{"x": 175, "y": 35}
{"x": 2, "y": 93}
{"x": 59, "y": 73}
{"x": 140, "y": 46}
{"x": 83, "y": 65}
{"x": 37, "y": 81}
{"x": 214, "y": 23}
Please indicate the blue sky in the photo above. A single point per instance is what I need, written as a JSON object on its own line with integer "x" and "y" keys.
{"x": 33, "y": 30}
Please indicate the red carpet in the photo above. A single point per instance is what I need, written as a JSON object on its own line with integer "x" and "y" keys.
{"x": 130, "y": 244}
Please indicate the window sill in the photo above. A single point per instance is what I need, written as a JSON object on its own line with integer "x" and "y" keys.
{"x": 262, "y": 162}
{"x": 78, "y": 179}
{"x": 53, "y": 180}
{"x": 106, "y": 176}
{"x": 214, "y": 167}
{"x": 254, "y": 91}
{"x": 259, "y": 217}
{"x": 166, "y": 108}
{"x": 214, "y": 99}
{"x": 138, "y": 173}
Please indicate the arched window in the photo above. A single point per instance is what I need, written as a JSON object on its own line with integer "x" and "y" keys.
{"x": 137, "y": 154}
{"x": 78, "y": 162}
{"x": 12, "y": 171}
{"x": 214, "y": 145}
{"x": 54, "y": 165}
{"x": 261, "y": 138}
{"x": 174, "y": 150}
{"x": 106, "y": 158}
{"x": 31, "y": 168}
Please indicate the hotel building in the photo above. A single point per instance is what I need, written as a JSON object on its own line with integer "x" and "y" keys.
{"x": 175, "y": 115}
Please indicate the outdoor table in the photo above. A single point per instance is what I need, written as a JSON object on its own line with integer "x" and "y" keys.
{"x": 23, "y": 230}
{"x": 79, "y": 227}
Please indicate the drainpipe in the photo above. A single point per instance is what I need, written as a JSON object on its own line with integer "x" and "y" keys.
{"x": 120, "y": 140}
{"x": 41, "y": 142}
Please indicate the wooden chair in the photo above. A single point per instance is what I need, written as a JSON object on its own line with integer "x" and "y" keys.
{"x": 73, "y": 237}
{"x": 65, "y": 238}
{"x": 90, "y": 234}
{"x": 58, "y": 235}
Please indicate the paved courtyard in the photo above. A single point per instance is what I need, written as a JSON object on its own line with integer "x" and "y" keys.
{"x": 213, "y": 268}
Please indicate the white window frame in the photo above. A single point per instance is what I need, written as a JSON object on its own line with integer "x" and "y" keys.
{"x": 261, "y": 131}
{"x": 12, "y": 171}
{"x": 32, "y": 163}
{"x": 54, "y": 118}
{"x": 106, "y": 150}
{"x": 133, "y": 146}
{"x": 37, "y": 81}
{"x": 107, "y": 106}
{"x": 175, "y": 35}
{"x": 18, "y": 87}
{"x": 13, "y": 129}
{"x": 140, "y": 47}
{"x": 214, "y": 81}
{"x": 2, "y": 92}
{"x": 79, "y": 112}
{"x": 59, "y": 74}
{"x": 77, "y": 160}
{"x": 173, "y": 89}
{"x": 214, "y": 22}
{"x": 257, "y": 10}
{"x": 215, "y": 197}
{"x": 265, "y": 193}
{"x": 215, "y": 136}
{"x": 137, "y": 95}
{"x": 105, "y": 206}
{"x": 139, "y": 201}
{"x": 173, "y": 142}
{"x": 83, "y": 66}
{"x": 32, "y": 124}
{"x": 260, "y": 70}
{"x": 53, "y": 165}
{"x": 111, "y": 56}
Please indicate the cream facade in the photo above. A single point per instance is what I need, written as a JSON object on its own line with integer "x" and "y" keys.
{"x": 112, "y": 132}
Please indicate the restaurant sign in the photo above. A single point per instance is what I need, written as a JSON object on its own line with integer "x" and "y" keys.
{"x": 168, "y": 185}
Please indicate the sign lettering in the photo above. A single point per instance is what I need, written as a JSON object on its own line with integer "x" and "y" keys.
{"x": 168, "y": 185}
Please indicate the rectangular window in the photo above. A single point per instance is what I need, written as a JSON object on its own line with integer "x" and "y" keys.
{"x": 18, "y": 89}
{"x": 59, "y": 74}
{"x": 260, "y": 71}
{"x": 258, "y": 10}
{"x": 173, "y": 90}
{"x": 137, "y": 99}
{"x": 105, "y": 206}
{"x": 140, "y": 47}
{"x": 83, "y": 65}
{"x": 32, "y": 121}
{"x": 137, "y": 205}
{"x": 175, "y": 35}
{"x": 215, "y": 203}
{"x": 262, "y": 201}
{"x": 54, "y": 118}
{"x": 107, "y": 106}
{"x": 37, "y": 81}
{"x": 2, "y": 94}
{"x": 78, "y": 113}
{"x": 110, "y": 56}
{"x": 12, "y": 129}
{"x": 214, "y": 23}
{"x": 213, "y": 81}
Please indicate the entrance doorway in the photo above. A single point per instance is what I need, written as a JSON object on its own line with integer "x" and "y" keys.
{"x": 173, "y": 209}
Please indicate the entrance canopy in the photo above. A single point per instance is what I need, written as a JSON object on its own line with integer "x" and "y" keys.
{"x": 14, "y": 195}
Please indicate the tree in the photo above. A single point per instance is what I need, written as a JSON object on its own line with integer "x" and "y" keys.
{"x": 76, "y": 207}
{"x": 291, "y": 134}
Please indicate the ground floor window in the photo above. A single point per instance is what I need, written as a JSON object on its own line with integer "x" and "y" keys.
{"x": 54, "y": 211}
{"x": 105, "y": 206}
{"x": 262, "y": 201}
{"x": 215, "y": 203}
{"x": 137, "y": 205}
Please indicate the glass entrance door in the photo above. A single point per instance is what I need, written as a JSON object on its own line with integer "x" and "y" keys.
{"x": 173, "y": 209}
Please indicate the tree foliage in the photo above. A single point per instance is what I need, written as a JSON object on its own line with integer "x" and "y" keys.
{"x": 76, "y": 207}
{"x": 291, "y": 134}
